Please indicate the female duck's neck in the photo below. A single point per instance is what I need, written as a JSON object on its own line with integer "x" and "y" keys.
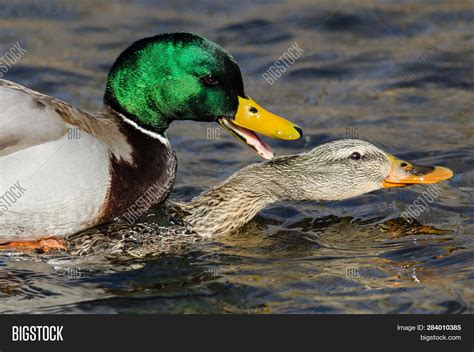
{"x": 230, "y": 205}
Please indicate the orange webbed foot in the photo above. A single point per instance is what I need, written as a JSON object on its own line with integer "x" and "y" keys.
{"x": 42, "y": 245}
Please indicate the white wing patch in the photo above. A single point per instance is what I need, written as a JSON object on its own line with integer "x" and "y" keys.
{"x": 25, "y": 122}
{"x": 64, "y": 177}
{"x": 29, "y": 118}
{"x": 64, "y": 184}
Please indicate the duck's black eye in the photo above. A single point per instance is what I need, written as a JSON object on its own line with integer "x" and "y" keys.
{"x": 210, "y": 80}
{"x": 355, "y": 156}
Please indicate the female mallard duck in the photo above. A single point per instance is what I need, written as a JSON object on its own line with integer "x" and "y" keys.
{"x": 64, "y": 170}
{"x": 333, "y": 171}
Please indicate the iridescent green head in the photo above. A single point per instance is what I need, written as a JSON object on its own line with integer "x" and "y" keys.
{"x": 178, "y": 76}
{"x": 183, "y": 76}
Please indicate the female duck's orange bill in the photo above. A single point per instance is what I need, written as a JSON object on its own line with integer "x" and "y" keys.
{"x": 403, "y": 173}
{"x": 250, "y": 118}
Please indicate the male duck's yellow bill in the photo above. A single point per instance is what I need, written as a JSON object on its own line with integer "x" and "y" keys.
{"x": 403, "y": 173}
{"x": 252, "y": 117}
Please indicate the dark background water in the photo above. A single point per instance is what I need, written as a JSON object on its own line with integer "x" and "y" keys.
{"x": 365, "y": 71}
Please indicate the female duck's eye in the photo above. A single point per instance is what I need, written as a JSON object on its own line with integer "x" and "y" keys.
{"x": 210, "y": 80}
{"x": 355, "y": 156}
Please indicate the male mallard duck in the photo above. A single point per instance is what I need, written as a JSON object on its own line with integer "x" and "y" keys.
{"x": 333, "y": 171}
{"x": 64, "y": 170}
